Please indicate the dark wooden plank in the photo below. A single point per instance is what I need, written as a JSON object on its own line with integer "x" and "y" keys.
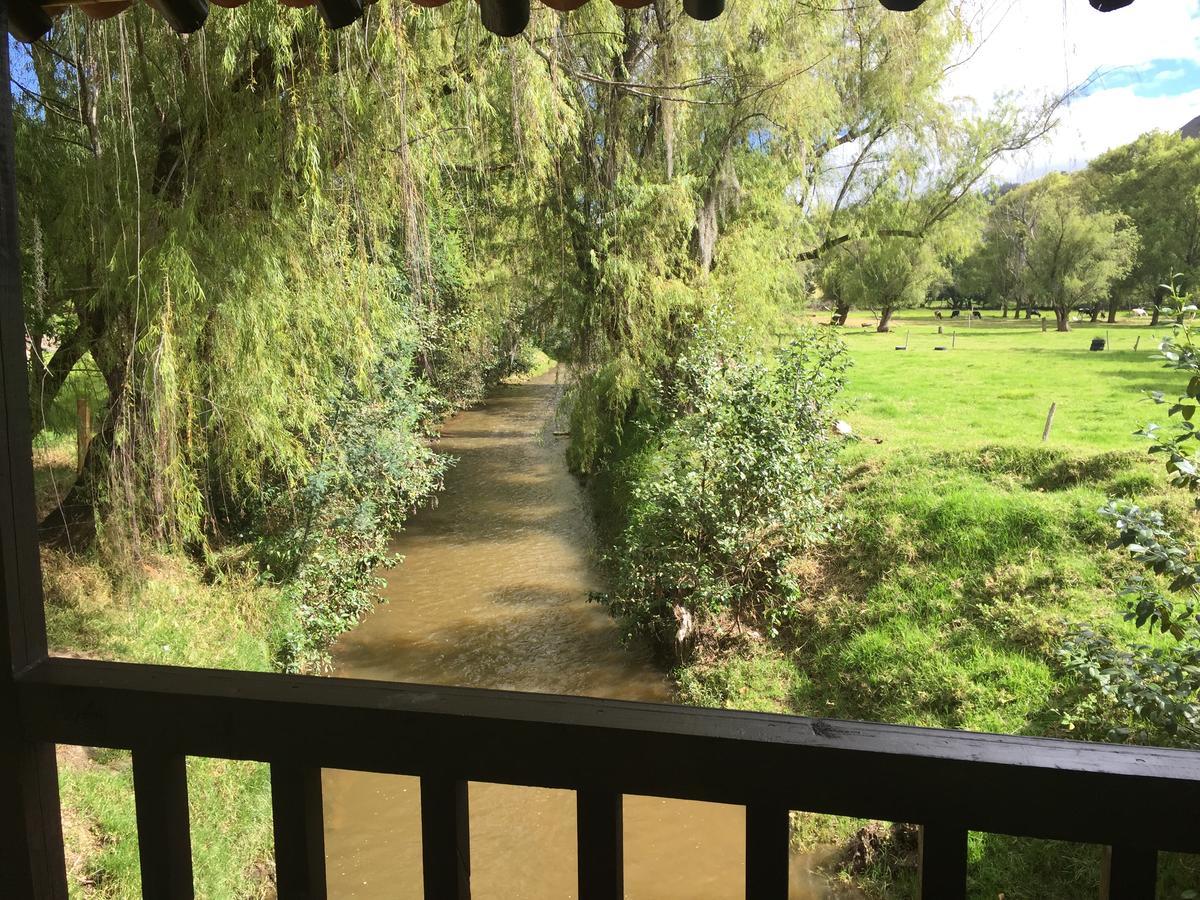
{"x": 942, "y": 852}
{"x": 445, "y": 839}
{"x": 599, "y": 828}
{"x": 768, "y": 851}
{"x": 299, "y": 832}
{"x": 1013, "y": 785}
{"x": 1128, "y": 873}
{"x": 31, "y": 849}
{"x": 164, "y": 837}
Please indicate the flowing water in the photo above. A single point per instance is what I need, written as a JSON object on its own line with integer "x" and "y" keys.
{"x": 493, "y": 593}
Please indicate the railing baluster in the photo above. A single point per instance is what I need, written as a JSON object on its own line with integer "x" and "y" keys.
{"x": 1129, "y": 873}
{"x": 299, "y": 832}
{"x": 943, "y": 862}
{"x": 768, "y": 851}
{"x": 599, "y": 825}
{"x": 445, "y": 839}
{"x": 164, "y": 840}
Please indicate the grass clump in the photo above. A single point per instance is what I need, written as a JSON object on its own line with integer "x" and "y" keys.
{"x": 164, "y": 613}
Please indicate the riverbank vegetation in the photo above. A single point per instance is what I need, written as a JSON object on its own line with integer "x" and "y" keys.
{"x": 966, "y": 555}
{"x": 273, "y": 258}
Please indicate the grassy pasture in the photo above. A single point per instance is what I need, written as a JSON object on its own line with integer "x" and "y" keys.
{"x": 998, "y": 381}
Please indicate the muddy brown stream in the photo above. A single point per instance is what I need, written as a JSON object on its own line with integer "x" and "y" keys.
{"x": 493, "y": 593}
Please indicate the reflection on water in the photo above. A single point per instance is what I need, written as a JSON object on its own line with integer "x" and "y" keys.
{"x": 492, "y": 593}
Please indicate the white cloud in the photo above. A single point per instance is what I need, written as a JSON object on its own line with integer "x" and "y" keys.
{"x": 1032, "y": 48}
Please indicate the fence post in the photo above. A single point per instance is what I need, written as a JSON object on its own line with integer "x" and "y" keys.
{"x": 1049, "y": 423}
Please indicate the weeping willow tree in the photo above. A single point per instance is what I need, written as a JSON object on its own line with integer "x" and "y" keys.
{"x": 720, "y": 163}
{"x": 233, "y": 226}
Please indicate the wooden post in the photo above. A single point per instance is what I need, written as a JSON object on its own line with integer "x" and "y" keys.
{"x": 31, "y": 847}
{"x": 1135, "y": 343}
{"x": 953, "y": 339}
{"x": 599, "y": 822}
{"x": 942, "y": 862}
{"x": 768, "y": 828}
{"x": 1049, "y": 423}
{"x": 83, "y": 431}
{"x": 445, "y": 838}
{"x": 1043, "y": 319}
{"x": 1128, "y": 873}
{"x": 160, "y": 798}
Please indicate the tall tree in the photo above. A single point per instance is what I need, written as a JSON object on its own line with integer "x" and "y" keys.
{"x": 1073, "y": 254}
{"x": 1155, "y": 181}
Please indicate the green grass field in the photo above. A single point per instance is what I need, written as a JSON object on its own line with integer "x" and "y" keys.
{"x": 969, "y": 546}
{"x": 998, "y": 381}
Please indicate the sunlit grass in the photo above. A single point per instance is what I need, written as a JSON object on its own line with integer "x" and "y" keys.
{"x": 163, "y": 613}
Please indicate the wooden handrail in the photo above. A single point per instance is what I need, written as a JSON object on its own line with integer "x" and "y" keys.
{"x": 1034, "y": 787}
{"x": 947, "y": 782}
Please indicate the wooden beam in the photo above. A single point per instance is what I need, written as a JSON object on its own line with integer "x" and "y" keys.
{"x": 1034, "y": 787}
{"x": 31, "y": 850}
{"x": 599, "y": 827}
{"x": 299, "y": 823}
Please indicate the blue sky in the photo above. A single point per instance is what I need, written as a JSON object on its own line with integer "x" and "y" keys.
{"x": 1156, "y": 78}
{"x": 1147, "y": 56}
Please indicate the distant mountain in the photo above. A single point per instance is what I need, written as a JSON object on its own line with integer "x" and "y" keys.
{"x": 1191, "y": 129}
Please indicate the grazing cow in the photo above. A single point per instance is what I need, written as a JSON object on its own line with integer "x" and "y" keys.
{"x": 937, "y": 314}
{"x": 1139, "y": 312}
{"x": 954, "y": 315}
{"x": 976, "y": 314}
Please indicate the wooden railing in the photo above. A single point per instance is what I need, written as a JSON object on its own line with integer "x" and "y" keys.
{"x": 1135, "y": 800}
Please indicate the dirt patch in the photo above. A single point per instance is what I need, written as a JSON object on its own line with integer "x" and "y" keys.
{"x": 880, "y": 845}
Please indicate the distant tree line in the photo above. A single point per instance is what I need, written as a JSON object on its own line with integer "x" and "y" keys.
{"x": 1110, "y": 236}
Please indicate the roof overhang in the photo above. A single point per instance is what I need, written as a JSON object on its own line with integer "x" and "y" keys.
{"x": 29, "y": 20}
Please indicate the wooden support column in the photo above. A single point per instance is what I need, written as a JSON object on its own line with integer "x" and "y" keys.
{"x": 31, "y": 850}
{"x": 1128, "y": 873}
{"x": 445, "y": 839}
{"x": 164, "y": 835}
{"x": 299, "y": 832}
{"x": 599, "y": 825}
{"x": 942, "y": 851}
{"x": 768, "y": 851}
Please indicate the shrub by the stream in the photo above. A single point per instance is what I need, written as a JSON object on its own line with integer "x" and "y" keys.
{"x": 374, "y": 469}
{"x": 733, "y": 489}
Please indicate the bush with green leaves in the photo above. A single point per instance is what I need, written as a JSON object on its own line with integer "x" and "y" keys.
{"x": 375, "y": 468}
{"x": 730, "y": 491}
{"x": 1151, "y": 691}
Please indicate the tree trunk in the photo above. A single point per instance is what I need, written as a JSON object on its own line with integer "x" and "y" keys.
{"x": 1112, "y": 311}
{"x": 842, "y": 313}
{"x": 1063, "y": 317}
{"x": 1004, "y": 309}
{"x": 885, "y": 316}
{"x": 1154, "y": 316}
{"x": 1095, "y": 313}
